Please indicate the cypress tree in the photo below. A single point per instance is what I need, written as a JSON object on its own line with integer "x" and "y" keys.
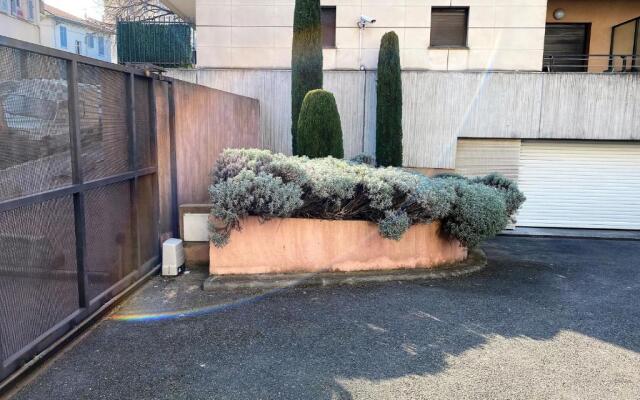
{"x": 319, "y": 129}
{"x": 306, "y": 58}
{"x": 389, "y": 103}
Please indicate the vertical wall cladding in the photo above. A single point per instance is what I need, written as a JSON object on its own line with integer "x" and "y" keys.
{"x": 591, "y": 106}
{"x": 206, "y": 122}
{"x": 103, "y": 122}
{"x": 440, "y": 106}
{"x": 38, "y": 278}
{"x": 347, "y": 88}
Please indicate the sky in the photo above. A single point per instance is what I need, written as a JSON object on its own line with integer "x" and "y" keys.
{"x": 80, "y": 8}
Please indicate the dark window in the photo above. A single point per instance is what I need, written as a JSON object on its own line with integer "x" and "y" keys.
{"x": 449, "y": 26}
{"x": 328, "y": 19}
{"x": 101, "y": 45}
{"x": 90, "y": 41}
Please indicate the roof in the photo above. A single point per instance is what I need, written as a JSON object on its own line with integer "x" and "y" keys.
{"x": 87, "y": 22}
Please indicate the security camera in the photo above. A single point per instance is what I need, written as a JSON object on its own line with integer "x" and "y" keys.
{"x": 367, "y": 20}
{"x": 364, "y": 20}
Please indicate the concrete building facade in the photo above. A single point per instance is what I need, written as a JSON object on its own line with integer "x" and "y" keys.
{"x": 501, "y": 34}
{"x": 19, "y": 19}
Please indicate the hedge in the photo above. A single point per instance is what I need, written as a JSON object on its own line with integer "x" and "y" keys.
{"x": 389, "y": 103}
{"x": 258, "y": 182}
{"x": 319, "y": 130}
{"x": 306, "y": 58}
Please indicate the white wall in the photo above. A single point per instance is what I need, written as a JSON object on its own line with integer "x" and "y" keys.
{"x": 19, "y": 28}
{"x": 75, "y": 32}
{"x": 502, "y": 35}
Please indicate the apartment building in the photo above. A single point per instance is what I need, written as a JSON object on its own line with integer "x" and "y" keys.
{"x": 543, "y": 91}
{"x": 19, "y": 19}
{"x": 84, "y": 36}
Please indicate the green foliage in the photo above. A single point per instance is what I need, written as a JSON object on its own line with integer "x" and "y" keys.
{"x": 319, "y": 130}
{"x": 162, "y": 44}
{"x": 389, "y": 103}
{"x": 306, "y": 58}
{"x": 258, "y": 182}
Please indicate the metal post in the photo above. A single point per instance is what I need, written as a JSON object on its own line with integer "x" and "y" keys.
{"x": 175, "y": 225}
{"x": 153, "y": 132}
{"x": 77, "y": 179}
{"x": 133, "y": 164}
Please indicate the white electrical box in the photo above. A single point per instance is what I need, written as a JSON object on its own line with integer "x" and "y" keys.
{"x": 172, "y": 257}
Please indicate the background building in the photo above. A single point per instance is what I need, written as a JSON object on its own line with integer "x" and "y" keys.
{"x": 19, "y": 19}
{"x": 83, "y": 36}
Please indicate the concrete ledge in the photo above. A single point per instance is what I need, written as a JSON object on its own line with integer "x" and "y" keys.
{"x": 568, "y": 233}
{"x": 476, "y": 261}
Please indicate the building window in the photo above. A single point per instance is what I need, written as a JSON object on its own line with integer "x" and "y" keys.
{"x": 63, "y": 37}
{"x": 449, "y": 26}
{"x": 90, "y": 42}
{"x": 31, "y": 14}
{"x": 101, "y": 45}
{"x": 328, "y": 20}
{"x": 4, "y": 6}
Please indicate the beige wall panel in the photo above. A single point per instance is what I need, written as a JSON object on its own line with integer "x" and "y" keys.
{"x": 439, "y": 107}
{"x": 257, "y": 26}
{"x": 591, "y": 106}
{"x": 479, "y": 157}
{"x": 347, "y": 87}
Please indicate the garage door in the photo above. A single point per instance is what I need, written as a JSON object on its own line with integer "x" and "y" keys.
{"x": 580, "y": 184}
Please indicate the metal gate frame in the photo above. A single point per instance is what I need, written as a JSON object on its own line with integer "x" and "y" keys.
{"x": 78, "y": 189}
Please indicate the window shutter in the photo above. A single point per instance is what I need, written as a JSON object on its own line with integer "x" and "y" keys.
{"x": 449, "y": 27}
{"x": 328, "y": 20}
{"x": 63, "y": 36}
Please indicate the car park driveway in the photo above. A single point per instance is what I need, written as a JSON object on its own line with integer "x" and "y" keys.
{"x": 548, "y": 318}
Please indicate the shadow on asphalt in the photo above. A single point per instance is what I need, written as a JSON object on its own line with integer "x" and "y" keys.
{"x": 299, "y": 342}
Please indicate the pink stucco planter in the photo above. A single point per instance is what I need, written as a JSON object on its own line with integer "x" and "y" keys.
{"x": 284, "y": 245}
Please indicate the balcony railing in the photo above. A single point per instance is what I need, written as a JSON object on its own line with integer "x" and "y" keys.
{"x": 592, "y": 63}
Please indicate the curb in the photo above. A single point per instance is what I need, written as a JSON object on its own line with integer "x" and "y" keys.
{"x": 476, "y": 261}
{"x": 589, "y": 236}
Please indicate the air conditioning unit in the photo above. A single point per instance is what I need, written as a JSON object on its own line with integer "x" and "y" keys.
{"x": 172, "y": 257}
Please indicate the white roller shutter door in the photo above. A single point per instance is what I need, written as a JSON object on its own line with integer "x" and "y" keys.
{"x": 580, "y": 184}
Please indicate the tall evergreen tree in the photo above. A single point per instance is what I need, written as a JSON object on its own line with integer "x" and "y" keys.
{"x": 319, "y": 129}
{"x": 389, "y": 103}
{"x": 306, "y": 58}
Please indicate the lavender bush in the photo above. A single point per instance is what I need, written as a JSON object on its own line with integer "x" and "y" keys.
{"x": 261, "y": 183}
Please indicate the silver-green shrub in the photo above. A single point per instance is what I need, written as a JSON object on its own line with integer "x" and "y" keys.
{"x": 258, "y": 182}
{"x": 394, "y": 224}
{"x": 478, "y": 212}
{"x": 513, "y": 197}
{"x": 249, "y": 193}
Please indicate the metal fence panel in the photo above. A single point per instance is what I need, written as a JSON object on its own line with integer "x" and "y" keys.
{"x": 103, "y": 122}
{"x": 38, "y": 278}
{"x": 78, "y": 192}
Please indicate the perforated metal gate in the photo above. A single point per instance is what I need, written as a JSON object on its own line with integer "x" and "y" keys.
{"x": 78, "y": 191}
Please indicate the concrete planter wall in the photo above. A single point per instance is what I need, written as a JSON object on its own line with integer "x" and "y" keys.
{"x": 285, "y": 245}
